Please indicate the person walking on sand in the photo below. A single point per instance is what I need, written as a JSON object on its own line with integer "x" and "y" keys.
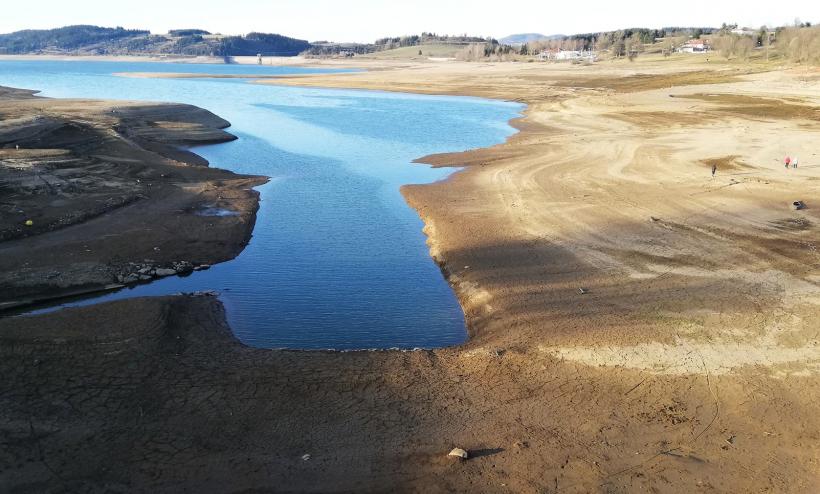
{"x": 794, "y": 163}
{"x": 714, "y": 169}
{"x": 788, "y": 162}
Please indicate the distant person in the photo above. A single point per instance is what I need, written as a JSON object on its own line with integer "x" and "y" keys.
{"x": 714, "y": 170}
{"x": 794, "y": 163}
{"x": 788, "y": 162}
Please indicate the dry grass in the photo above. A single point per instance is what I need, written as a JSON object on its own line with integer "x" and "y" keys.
{"x": 412, "y": 52}
{"x": 649, "y": 119}
{"x": 647, "y": 82}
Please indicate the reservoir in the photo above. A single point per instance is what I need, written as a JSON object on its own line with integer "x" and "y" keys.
{"x": 337, "y": 259}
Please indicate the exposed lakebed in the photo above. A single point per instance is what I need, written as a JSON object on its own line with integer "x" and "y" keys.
{"x": 337, "y": 259}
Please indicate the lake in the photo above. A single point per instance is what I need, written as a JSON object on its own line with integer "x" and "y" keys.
{"x": 337, "y": 259}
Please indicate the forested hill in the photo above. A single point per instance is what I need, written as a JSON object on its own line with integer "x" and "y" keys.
{"x": 520, "y": 39}
{"x": 94, "y": 40}
{"x": 64, "y": 38}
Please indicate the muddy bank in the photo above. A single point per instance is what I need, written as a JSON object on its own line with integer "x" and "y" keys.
{"x": 155, "y": 395}
{"x": 97, "y": 193}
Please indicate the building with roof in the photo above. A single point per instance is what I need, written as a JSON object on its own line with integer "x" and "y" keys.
{"x": 696, "y": 46}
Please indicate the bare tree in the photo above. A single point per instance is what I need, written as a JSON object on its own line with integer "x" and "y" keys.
{"x": 679, "y": 41}
{"x": 725, "y": 45}
{"x": 471, "y": 53}
{"x": 632, "y": 47}
{"x": 603, "y": 42}
{"x": 744, "y": 47}
{"x": 800, "y": 45}
{"x": 765, "y": 40}
{"x": 618, "y": 47}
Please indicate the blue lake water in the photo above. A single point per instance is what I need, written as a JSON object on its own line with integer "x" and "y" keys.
{"x": 337, "y": 259}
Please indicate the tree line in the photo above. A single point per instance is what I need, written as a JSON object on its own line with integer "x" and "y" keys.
{"x": 116, "y": 41}
{"x": 799, "y": 43}
{"x": 65, "y": 38}
{"x": 425, "y": 38}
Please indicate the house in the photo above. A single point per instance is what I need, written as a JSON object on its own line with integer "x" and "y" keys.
{"x": 560, "y": 55}
{"x": 545, "y": 55}
{"x": 568, "y": 55}
{"x": 696, "y": 46}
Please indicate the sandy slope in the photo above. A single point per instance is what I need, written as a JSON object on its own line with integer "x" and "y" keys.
{"x": 691, "y": 365}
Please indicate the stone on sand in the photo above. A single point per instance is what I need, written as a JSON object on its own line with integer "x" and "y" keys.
{"x": 459, "y": 453}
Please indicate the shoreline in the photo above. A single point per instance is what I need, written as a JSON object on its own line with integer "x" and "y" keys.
{"x": 296, "y": 61}
{"x": 513, "y": 122}
{"x": 130, "y": 161}
{"x": 439, "y": 160}
{"x": 691, "y": 360}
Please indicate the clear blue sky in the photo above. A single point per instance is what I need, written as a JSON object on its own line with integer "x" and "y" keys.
{"x": 366, "y": 20}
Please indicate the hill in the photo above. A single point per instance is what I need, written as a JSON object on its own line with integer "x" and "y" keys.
{"x": 94, "y": 40}
{"x": 409, "y": 46}
{"x": 65, "y": 38}
{"x": 520, "y": 39}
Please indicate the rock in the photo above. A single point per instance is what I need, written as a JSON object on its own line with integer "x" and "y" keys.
{"x": 145, "y": 270}
{"x": 305, "y": 457}
{"x": 205, "y": 267}
{"x": 145, "y": 277}
{"x": 208, "y": 293}
{"x": 131, "y": 278}
{"x": 798, "y": 205}
{"x": 583, "y": 291}
{"x": 183, "y": 267}
{"x": 165, "y": 272}
{"x": 459, "y": 453}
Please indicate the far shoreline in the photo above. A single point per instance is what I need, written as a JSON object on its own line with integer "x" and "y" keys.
{"x": 297, "y": 61}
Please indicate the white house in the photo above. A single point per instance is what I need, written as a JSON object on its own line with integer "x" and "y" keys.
{"x": 695, "y": 46}
{"x": 567, "y": 55}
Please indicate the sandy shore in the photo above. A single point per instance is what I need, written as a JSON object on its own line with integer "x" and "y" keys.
{"x": 191, "y": 75}
{"x": 690, "y": 364}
